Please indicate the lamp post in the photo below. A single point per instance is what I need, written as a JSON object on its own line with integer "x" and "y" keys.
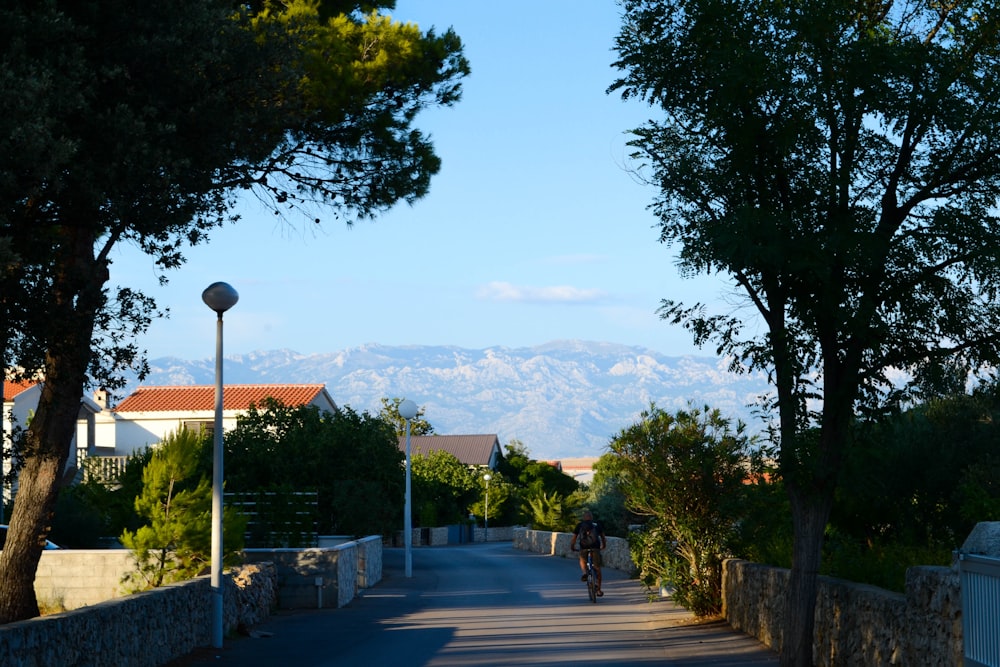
{"x": 408, "y": 410}
{"x": 486, "y": 514}
{"x": 220, "y": 297}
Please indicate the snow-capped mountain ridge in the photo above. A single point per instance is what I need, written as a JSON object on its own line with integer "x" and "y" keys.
{"x": 561, "y": 399}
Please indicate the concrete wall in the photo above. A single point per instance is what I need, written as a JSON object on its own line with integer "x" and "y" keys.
{"x": 616, "y": 555}
{"x": 145, "y": 629}
{"x": 855, "y": 624}
{"x": 72, "y": 578}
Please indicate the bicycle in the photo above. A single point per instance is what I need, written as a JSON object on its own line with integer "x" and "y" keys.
{"x": 591, "y": 576}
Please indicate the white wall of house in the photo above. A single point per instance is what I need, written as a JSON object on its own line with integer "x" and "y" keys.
{"x": 124, "y": 433}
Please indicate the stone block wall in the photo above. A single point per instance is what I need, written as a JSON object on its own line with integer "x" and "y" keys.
{"x": 312, "y": 578}
{"x": 68, "y": 579}
{"x": 616, "y": 555}
{"x": 140, "y": 630}
{"x": 496, "y": 534}
{"x": 155, "y": 627}
{"x": 438, "y": 536}
{"x": 369, "y": 561}
{"x": 855, "y": 624}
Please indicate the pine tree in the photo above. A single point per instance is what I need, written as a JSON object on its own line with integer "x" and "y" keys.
{"x": 175, "y": 544}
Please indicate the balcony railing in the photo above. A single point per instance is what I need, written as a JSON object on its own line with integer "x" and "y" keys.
{"x": 105, "y": 469}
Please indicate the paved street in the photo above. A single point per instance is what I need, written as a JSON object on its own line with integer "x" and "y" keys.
{"x": 489, "y": 604}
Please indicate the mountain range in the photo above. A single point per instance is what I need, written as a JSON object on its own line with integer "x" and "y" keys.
{"x": 562, "y": 399}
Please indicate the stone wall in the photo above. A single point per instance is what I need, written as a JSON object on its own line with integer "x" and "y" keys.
{"x": 855, "y": 624}
{"x": 144, "y": 629}
{"x": 323, "y": 577}
{"x": 154, "y": 627}
{"x": 369, "y": 561}
{"x": 439, "y": 536}
{"x": 616, "y": 555}
{"x": 495, "y": 534}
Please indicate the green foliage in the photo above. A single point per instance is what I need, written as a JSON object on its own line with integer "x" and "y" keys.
{"x": 548, "y": 511}
{"x": 531, "y": 480}
{"x": 78, "y": 524}
{"x": 837, "y": 160}
{"x": 140, "y": 124}
{"x": 98, "y": 508}
{"x": 501, "y": 496}
{"x": 443, "y": 488}
{"x": 764, "y": 532}
{"x": 351, "y": 460}
{"x": 915, "y": 487}
{"x": 686, "y": 475}
{"x": 606, "y": 499}
{"x": 175, "y": 543}
{"x": 389, "y": 413}
{"x": 881, "y": 563}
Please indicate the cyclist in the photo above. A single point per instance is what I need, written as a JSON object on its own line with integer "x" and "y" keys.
{"x": 591, "y": 536}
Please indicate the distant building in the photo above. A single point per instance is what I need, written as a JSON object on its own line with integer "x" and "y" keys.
{"x": 480, "y": 451}
{"x": 581, "y": 469}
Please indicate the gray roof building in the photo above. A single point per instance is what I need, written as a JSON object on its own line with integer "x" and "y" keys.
{"x": 472, "y": 450}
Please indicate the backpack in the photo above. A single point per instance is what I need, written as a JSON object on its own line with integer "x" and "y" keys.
{"x": 589, "y": 536}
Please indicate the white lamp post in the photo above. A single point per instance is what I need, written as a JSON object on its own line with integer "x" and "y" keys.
{"x": 408, "y": 410}
{"x": 220, "y": 297}
{"x": 486, "y": 517}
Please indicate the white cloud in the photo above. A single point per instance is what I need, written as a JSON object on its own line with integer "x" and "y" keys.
{"x": 501, "y": 291}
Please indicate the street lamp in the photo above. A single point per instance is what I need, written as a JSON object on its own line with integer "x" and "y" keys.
{"x": 486, "y": 518}
{"x": 220, "y": 297}
{"x": 408, "y": 410}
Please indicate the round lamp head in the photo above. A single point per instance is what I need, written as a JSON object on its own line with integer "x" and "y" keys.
{"x": 487, "y": 477}
{"x": 407, "y": 409}
{"x": 220, "y": 297}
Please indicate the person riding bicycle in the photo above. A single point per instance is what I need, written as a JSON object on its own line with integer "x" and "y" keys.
{"x": 591, "y": 536}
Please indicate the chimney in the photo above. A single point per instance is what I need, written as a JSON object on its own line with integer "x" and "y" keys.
{"x": 101, "y": 398}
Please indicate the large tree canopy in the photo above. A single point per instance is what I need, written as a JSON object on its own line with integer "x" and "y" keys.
{"x": 139, "y": 123}
{"x": 840, "y": 160}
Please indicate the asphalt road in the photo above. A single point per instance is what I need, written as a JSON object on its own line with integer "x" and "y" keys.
{"x": 489, "y": 604}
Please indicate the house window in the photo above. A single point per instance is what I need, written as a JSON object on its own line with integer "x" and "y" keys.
{"x": 204, "y": 428}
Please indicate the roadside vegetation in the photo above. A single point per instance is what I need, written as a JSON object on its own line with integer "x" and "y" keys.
{"x": 698, "y": 491}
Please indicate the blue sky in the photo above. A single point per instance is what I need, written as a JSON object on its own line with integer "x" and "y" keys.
{"x": 533, "y": 231}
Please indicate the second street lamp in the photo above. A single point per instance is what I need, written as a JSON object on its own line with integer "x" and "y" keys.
{"x": 408, "y": 410}
{"x": 486, "y": 514}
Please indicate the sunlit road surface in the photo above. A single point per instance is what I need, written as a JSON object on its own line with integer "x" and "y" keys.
{"x": 489, "y": 604}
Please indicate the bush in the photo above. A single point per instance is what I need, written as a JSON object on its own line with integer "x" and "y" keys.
{"x": 175, "y": 542}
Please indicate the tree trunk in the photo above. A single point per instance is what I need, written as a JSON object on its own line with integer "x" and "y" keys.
{"x": 74, "y": 300}
{"x": 28, "y": 529}
{"x": 810, "y": 513}
{"x": 49, "y": 439}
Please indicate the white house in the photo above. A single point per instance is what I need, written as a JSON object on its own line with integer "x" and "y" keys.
{"x": 148, "y": 414}
{"x": 20, "y": 399}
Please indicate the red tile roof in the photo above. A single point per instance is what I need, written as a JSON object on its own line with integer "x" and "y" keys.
{"x": 12, "y": 389}
{"x": 234, "y": 397}
{"x": 472, "y": 450}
